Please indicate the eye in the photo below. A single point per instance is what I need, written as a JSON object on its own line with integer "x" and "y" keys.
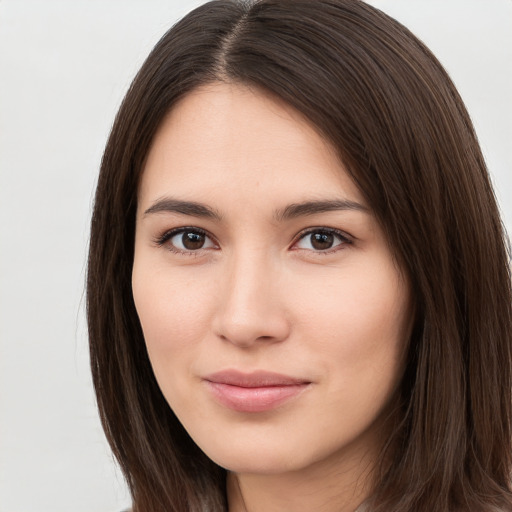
{"x": 321, "y": 239}
{"x": 185, "y": 240}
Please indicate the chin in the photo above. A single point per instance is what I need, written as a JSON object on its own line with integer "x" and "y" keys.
{"x": 257, "y": 462}
{"x": 271, "y": 455}
{"x": 242, "y": 454}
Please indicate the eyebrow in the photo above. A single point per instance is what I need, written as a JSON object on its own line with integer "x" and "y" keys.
{"x": 291, "y": 211}
{"x": 191, "y": 208}
{"x": 314, "y": 207}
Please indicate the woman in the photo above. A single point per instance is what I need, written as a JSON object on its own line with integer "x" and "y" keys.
{"x": 299, "y": 291}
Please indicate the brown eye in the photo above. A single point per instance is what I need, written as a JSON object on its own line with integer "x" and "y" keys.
{"x": 193, "y": 241}
{"x": 187, "y": 240}
{"x": 322, "y": 241}
{"x": 319, "y": 240}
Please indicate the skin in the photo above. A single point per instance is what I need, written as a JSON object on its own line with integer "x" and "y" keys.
{"x": 259, "y": 295}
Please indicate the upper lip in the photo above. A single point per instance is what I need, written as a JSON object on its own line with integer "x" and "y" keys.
{"x": 255, "y": 379}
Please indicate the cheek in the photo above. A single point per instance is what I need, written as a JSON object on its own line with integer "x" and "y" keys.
{"x": 360, "y": 323}
{"x": 174, "y": 312}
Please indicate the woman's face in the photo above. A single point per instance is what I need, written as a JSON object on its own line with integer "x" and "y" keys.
{"x": 274, "y": 315}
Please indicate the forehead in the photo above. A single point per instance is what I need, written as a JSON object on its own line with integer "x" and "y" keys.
{"x": 232, "y": 138}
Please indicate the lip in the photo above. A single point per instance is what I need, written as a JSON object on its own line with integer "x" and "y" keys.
{"x": 257, "y": 391}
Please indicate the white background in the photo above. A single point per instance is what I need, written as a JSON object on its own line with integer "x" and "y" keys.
{"x": 64, "y": 67}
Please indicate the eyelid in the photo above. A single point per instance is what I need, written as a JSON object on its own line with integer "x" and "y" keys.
{"x": 166, "y": 236}
{"x": 345, "y": 238}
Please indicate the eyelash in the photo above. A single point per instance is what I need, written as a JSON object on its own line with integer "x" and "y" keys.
{"x": 168, "y": 235}
{"x": 343, "y": 238}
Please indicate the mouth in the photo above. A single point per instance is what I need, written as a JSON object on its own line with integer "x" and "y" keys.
{"x": 254, "y": 392}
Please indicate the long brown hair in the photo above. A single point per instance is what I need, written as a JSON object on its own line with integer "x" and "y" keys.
{"x": 389, "y": 108}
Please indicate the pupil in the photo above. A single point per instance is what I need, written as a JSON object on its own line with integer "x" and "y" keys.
{"x": 322, "y": 241}
{"x": 193, "y": 240}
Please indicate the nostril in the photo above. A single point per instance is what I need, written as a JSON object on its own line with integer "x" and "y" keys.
{"x": 252, "y": 330}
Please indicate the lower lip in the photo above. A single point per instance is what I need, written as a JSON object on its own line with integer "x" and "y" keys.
{"x": 254, "y": 399}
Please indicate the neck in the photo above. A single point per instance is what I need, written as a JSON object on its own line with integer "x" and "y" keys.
{"x": 324, "y": 487}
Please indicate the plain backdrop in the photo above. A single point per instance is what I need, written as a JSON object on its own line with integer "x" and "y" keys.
{"x": 64, "y": 68}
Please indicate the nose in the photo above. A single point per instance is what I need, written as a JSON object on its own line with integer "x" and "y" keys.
{"x": 251, "y": 304}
